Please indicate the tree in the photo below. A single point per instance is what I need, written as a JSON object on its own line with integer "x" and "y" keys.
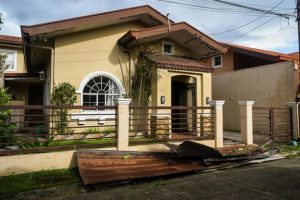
{"x": 64, "y": 94}
{"x": 6, "y": 127}
{"x": 2, "y": 62}
{"x": 3, "y": 67}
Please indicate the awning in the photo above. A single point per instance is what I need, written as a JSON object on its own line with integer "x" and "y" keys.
{"x": 200, "y": 45}
{"x": 24, "y": 77}
{"x": 178, "y": 63}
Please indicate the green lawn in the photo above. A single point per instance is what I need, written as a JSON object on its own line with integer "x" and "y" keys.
{"x": 86, "y": 141}
{"x": 38, "y": 180}
{"x": 286, "y": 149}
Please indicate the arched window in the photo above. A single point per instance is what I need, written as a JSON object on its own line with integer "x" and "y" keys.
{"x": 100, "y": 91}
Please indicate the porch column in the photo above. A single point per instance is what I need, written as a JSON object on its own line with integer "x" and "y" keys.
{"x": 218, "y": 122}
{"x": 295, "y": 119}
{"x": 122, "y": 115}
{"x": 246, "y": 121}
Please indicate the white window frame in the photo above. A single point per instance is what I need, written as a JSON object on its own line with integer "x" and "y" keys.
{"x": 168, "y": 43}
{"x": 103, "y": 114}
{"x": 214, "y": 62}
{"x": 14, "y": 69}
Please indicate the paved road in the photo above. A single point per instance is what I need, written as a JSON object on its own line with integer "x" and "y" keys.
{"x": 272, "y": 180}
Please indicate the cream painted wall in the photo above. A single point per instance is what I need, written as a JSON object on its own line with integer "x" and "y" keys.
{"x": 20, "y": 59}
{"x": 178, "y": 50}
{"x": 80, "y": 54}
{"x": 163, "y": 86}
{"x": 270, "y": 85}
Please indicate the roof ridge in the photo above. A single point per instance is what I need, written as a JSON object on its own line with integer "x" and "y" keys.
{"x": 92, "y": 15}
{"x": 263, "y": 51}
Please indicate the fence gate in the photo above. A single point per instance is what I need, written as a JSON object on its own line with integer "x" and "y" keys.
{"x": 272, "y": 123}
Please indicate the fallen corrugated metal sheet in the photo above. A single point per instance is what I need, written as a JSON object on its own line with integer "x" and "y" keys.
{"x": 97, "y": 166}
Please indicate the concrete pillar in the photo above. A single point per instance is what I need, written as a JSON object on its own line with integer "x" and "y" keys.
{"x": 246, "y": 122}
{"x": 122, "y": 123}
{"x": 295, "y": 119}
{"x": 218, "y": 122}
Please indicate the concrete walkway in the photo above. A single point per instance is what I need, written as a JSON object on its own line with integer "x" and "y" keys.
{"x": 272, "y": 180}
{"x": 232, "y": 138}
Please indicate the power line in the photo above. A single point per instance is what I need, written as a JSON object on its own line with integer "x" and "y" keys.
{"x": 253, "y": 8}
{"x": 253, "y": 29}
{"x": 206, "y": 7}
{"x": 250, "y": 22}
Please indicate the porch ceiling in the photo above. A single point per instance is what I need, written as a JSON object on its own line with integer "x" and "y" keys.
{"x": 200, "y": 45}
{"x": 179, "y": 63}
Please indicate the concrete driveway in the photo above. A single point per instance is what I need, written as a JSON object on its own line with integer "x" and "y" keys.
{"x": 272, "y": 180}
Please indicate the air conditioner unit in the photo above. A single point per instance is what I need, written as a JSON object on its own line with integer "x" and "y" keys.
{"x": 42, "y": 75}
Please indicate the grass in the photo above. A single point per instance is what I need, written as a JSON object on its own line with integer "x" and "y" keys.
{"x": 86, "y": 141}
{"x": 77, "y": 142}
{"x": 38, "y": 180}
{"x": 285, "y": 149}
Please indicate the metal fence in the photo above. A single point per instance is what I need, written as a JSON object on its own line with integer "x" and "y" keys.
{"x": 176, "y": 122}
{"x": 272, "y": 123}
{"x": 42, "y": 126}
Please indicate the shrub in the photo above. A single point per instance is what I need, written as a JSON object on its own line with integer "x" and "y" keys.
{"x": 108, "y": 130}
{"x": 64, "y": 94}
{"x": 6, "y": 127}
{"x": 92, "y": 130}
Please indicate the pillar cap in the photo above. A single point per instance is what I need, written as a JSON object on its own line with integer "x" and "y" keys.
{"x": 246, "y": 103}
{"x": 290, "y": 104}
{"x": 217, "y": 103}
{"x": 123, "y": 101}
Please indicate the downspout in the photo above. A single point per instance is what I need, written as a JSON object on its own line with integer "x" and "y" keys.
{"x": 127, "y": 51}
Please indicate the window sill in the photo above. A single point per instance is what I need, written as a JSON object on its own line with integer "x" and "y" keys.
{"x": 101, "y": 115}
{"x": 216, "y": 67}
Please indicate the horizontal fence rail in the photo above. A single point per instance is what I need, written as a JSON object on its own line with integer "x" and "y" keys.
{"x": 42, "y": 126}
{"x": 33, "y": 127}
{"x": 272, "y": 123}
{"x": 173, "y": 122}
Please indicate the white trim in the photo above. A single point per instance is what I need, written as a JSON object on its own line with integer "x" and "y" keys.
{"x": 168, "y": 43}
{"x": 214, "y": 63}
{"x": 100, "y": 73}
{"x": 246, "y": 103}
{"x": 101, "y": 115}
{"x": 108, "y": 113}
{"x": 217, "y": 103}
{"x": 15, "y": 59}
{"x": 123, "y": 101}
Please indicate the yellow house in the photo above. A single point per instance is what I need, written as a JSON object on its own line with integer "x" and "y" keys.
{"x": 136, "y": 52}
{"x": 104, "y": 49}
{"x": 11, "y": 46}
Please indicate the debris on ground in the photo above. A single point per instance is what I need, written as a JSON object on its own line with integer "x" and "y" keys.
{"x": 98, "y": 166}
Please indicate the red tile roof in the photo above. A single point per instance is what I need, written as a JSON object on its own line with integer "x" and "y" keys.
{"x": 279, "y": 56}
{"x": 295, "y": 54}
{"x": 7, "y": 39}
{"x": 105, "y": 17}
{"x": 175, "y": 62}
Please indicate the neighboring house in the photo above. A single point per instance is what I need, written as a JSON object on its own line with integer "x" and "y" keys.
{"x": 269, "y": 78}
{"x": 11, "y": 46}
{"x": 97, "y": 54}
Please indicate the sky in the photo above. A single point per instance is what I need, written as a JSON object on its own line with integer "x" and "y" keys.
{"x": 279, "y": 34}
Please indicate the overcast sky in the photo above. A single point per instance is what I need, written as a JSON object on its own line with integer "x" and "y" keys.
{"x": 277, "y": 35}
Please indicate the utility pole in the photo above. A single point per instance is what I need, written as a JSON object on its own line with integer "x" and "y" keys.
{"x": 298, "y": 21}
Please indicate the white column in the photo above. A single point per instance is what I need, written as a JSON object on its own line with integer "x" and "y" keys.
{"x": 246, "y": 121}
{"x": 122, "y": 123}
{"x": 295, "y": 119}
{"x": 218, "y": 122}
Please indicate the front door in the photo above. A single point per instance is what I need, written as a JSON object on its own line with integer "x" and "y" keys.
{"x": 35, "y": 97}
